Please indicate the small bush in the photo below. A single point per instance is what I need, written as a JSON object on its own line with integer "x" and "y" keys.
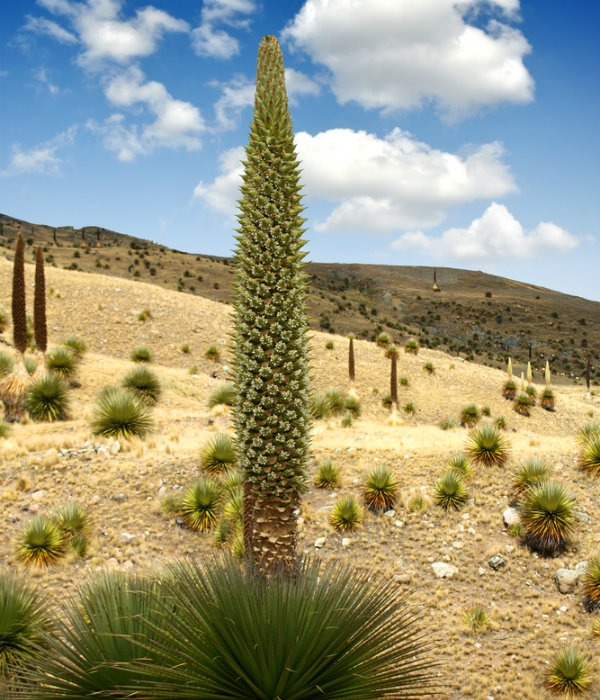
{"x": 320, "y": 406}
{"x": 404, "y": 380}
{"x": 328, "y": 474}
{"x": 78, "y": 346}
{"x": 212, "y": 352}
{"x": 568, "y": 673}
{"x": 411, "y": 346}
{"x": 521, "y": 404}
{"x": 224, "y": 531}
{"x": 223, "y": 395}
{"x": 460, "y": 464}
{"x": 219, "y": 454}
{"x": 347, "y": 420}
{"x": 381, "y": 488}
{"x": 62, "y": 361}
{"x": 547, "y": 401}
{"x": 589, "y": 460}
{"x": 386, "y": 400}
{"x": 450, "y": 491}
{"x": 329, "y": 345}
{"x": 547, "y": 516}
{"x": 447, "y": 423}
{"x": 171, "y": 504}
{"x": 486, "y": 411}
{"x": 529, "y": 473}
{"x": 352, "y": 405}
{"x": 3, "y": 321}
{"x": 143, "y": 383}
{"x": 509, "y": 390}
{"x": 476, "y": 620}
{"x": 41, "y": 542}
{"x": 337, "y": 400}
{"x": 120, "y": 414}
{"x": 141, "y": 354}
{"x": 500, "y": 423}
{"x": 590, "y": 429}
{"x": 383, "y": 340}
{"x": 416, "y": 504}
{"x": 591, "y": 584}
{"x": 409, "y": 407}
{"x": 429, "y": 368}
{"x": 200, "y": 504}
{"x": 470, "y": 415}
{"x": 193, "y": 370}
{"x": 532, "y": 393}
{"x": 185, "y": 349}
{"x": 74, "y": 523}
{"x": 47, "y": 399}
{"x": 6, "y": 364}
{"x": 4, "y": 429}
{"x": 487, "y": 446}
{"x": 233, "y": 510}
{"x": 346, "y": 514}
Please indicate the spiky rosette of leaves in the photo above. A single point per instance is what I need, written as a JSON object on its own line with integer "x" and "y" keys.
{"x": 6, "y": 364}
{"x": 120, "y": 414}
{"x": 591, "y": 584}
{"x": 529, "y": 473}
{"x": 522, "y": 404}
{"x": 141, "y": 354}
{"x": 19, "y": 313}
{"x": 219, "y": 454}
{"x": 547, "y": 516}
{"x": 590, "y": 455}
{"x": 381, "y": 488}
{"x": 587, "y": 431}
{"x": 488, "y": 446}
{"x": 62, "y": 361}
{"x": 460, "y": 464}
{"x": 568, "y": 673}
{"x": 450, "y": 491}
{"x": 144, "y": 383}
{"x": 347, "y": 514}
{"x": 200, "y": 504}
{"x": 41, "y": 542}
{"x": 47, "y": 399}
{"x": 547, "y": 399}
{"x": 328, "y": 474}
{"x": 77, "y": 345}
{"x": 223, "y": 395}
{"x": 509, "y": 390}
{"x": 337, "y": 400}
{"x": 39, "y": 303}
{"x": 272, "y": 415}
{"x": 470, "y": 415}
{"x": 412, "y": 346}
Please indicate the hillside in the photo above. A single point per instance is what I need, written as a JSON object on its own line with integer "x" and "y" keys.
{"x": 477, "y": 316}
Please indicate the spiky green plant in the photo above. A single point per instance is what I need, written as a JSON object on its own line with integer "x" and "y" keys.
{"x": 23, "y": 621}
{"x": 3, "y": 321}
{"x": 591, "y": 584}
{"x": 447, "y": 423}
{"x": 386, "y": 401}
{"x": 547, "y": 400}
{"x": 383, "y": 340}
{"x": 224, "y": 531}
{"x": 6, "y": 364}
{"x": 460, "y": 464}
{"x": 62, "y": 361}
{"x": 328, "y": 474}
{"x": 171, "y": 504}
{"x": 429, "y": 368}
{"x": 521, "y": 404}
{"x": 347, "y": 420}
{"x": 337, "y": 401}
{"x": 487, "y": 446}
{"x": 329, "y": 345}
{"x": 596, "y": 626}
{"x": 476, "y": 620}
{"x": 590, "y": 429}
{"x": 404, "y": 380}
{"x": 409, "y": 407}
{"x": 532, "y": 393}
{"x": 320, "y": 406}
{"x": 200, "y": 504}
{"x": 233, "y": 481}
{"x": 141, "y": 354}
{"x": 381, "y": 488}
{"x": 233, "y": 509}
{"x": 4, "y": 429}
{"x": 352, "y": 405}
{"x": 41, "y": 542}
{"x": 450, "y": 491}
{"x": 77, "y": 345}
{"x": 212, "y": 352}
{"x": 500, "y": 423}
{"x": 589, "y": 459}
{"x": 47, "y": 399}
{"x": 547, "y": 516}
{"x": 347, "y": 514}
{"x": 144, "y": 384}
{"x": 74, "y": 522}
{"x": 568, "y": 673}
{"x": 470, "y": 415}
{"x": 509, "y": 390}
{"x": 417, "y": 504}
{"x": 529, "y": 473}
{"x": 219, "y": 454}
{"x": 120, "y": 414}
{"x": 411, "y": 347}
{"x": 223, "y": 395}
{"x": 486, "y": 411}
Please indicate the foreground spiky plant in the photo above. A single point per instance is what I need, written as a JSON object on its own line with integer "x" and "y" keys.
{"x": 62, "y": 361}
{"x": 272, "y": 416}
{"x": 509, "y": 390}
{"x": 381, "y": 488}
{"x": 320, "y": 406}
{"x": 223, "y": 395}
{"x": 450, "y": 491}
{"x": 470, "y": 415}
{"x": 532, "y": 393}
{"x": 590, "y": 429}
{"x": 23, "y": 621}
{"x": 487, "y": 446}
{"x": 328, "y": 474}
{"x": 47, "y": 399}
{"x": 144, "y": 383}
{"x": 77, "y": 345}
{"x": 591, "y": 584}
{"x": 547, "y": 400}
{"x": 347, "y": 514}
{"x": 547, "y": 516}
{"x": 200, "y": 504}
{"x": 219, "y": 454}
{"x": 120, "y": 414}
{"x": 41, "y": 542}
{"x": 141, "y": 354}
{"x": 429, "y": 368}
{"x": 74, "y": 522}
{"x": 590, "y": 455}
{"x": 568, "y": 673}
{"x": 460, "y": 464}
{"x": 529, "y": 473}
{"x": 521, "y": 404}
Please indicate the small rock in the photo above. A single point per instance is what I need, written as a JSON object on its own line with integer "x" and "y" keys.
{"x": 443, "y": 570}
{"x": 162, "y": 491}
{"x": 390, "y": 513}
{"x": 102, "y": 452}
{"x": 581, "y": 567}
{"x": 94, "y": 499}
{"x": 115, "y": 448}
{"x": 128, "y": 565}
{"x": 402, "y": 578}
{"x": 511, "y": 517}
{"x": 496, "y": 562}
{"x": 481, "y": 571}
{"x": 118, "y": 497}
{"x": 399, "y": 523}
{"x": 319, "y": 542}
{"x": 345, "y": 542}
{"x": 38, "y": 495}
{"x": 126, "y": 538}
{"x": 581, "y": 516}
{"x": 566, "y": 580}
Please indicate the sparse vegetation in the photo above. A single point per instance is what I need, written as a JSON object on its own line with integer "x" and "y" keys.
{"x": 476, "y": 620}
{"x": 448, "y": 423}
{"x": 212, "y": 352}
{"x": 6, "y": 364}
{"x": 141, "y": 354}
{"x": 470, "y": 415}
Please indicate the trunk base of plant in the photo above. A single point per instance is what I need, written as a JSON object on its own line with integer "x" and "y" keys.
{"x": 352, "y": 391}
{"x": 12, "y": 391}
{"x": 40, "y": 370}
{"x": 394, "y": 418}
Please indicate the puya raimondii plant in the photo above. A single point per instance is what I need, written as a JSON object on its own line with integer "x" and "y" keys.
{"x": 272, "y": 415}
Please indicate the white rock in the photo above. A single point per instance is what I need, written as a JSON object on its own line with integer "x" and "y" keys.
{"x": 566, "y": 580}
{"x": 319, "y": 542}
{"x": 38, "y": 495}
{"x": 443, "y": 570}
{"x": 346, "y": 542}
{"x": 115, "y": 448}
{"x": 390, "y": 513}
{"x": 511, "y": 517}
{"x": 126, "y": 538}
{"x": 162, "y": 491}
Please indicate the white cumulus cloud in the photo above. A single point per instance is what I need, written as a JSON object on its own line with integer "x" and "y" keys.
{"x": 207, "y": 40}
{"x": 497, "y": 235}
{"x": 42, "y": 158}
{"x": 400, "y": 54}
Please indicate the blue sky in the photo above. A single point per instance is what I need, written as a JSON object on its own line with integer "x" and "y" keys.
{"x": 439, "y": 132}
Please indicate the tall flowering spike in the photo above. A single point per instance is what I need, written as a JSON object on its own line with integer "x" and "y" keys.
{"x": 392, "y": 354}
{"x": 272, "y": 417}
{"x": 529, "y": 373}
{"x": 509, "y": 368}
{"x": 39, "y": 303}
{"x": 19, "y": 313}
{"x": 547, "y": 373}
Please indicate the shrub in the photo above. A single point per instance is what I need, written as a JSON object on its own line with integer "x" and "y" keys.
{"x": 78, "y": 346}
{"x": 447, "y": 423}
{"x": 193, "y": 369}
{"x": 74, "y": 523}
{"x": 143, "y": 383}
{"x": 347, "y": 420}
{"x": 6, "y": 364}
{"x": 23, "y": 623}
{"x": 568, "y": 673}
{"x": 224, "y": 531}
{"x": 532, "y": 393}
{"x": 547, "y": 516}
{"x": 486, "y": 411}
{"x": 450, "y": 491}
{"x": 383, "y": 340}
{"x": 547, "y": 401}
{"x": 409, "y": 408}
{"x": 41, "y": 542}
{"x": 476, "y": 620}
{"x": 521, "y": 404}
{"x": 381, "y": 488}
{"x": 352, "y": 405}
{"x": 3, "y": 321}
{"x": 200, "y": 504}
{"x": 212, "y": 352}
{"x": 219, "y": 454}
{"x": 328, "y": 474}
{"x": 63, "y": 362}
{"x": 590, "y": 456}
{"x": 4, "y": 429}
{"x": 47, "y": 399}
{"x": 460, "y": 464}
{"x": 529, "y": 473}
{"x": 411, "y": 346}
{"x": 346, "y": 514}
{"x": 185, "y": 349}
{"x": 141, "y": 354}
{"x": 589, "y": 430}
{"x": 417, "y": 503}
{"x": 487, "y": 445}
{"x": 233, "y": 510}
{"x": 329, "y": 345}
{"x": 509, "y": 391}
{"x": 429, "y": 368}
{"x": 171, "y": 504}
{"x": 223, "y": 395}
{"x": 404, "y": 380}
{"x": 500, "y": 423}
{"x": 30, "y": 365}
{"x": 470, "y": 415}
{"x": 337, "y": 400}
{"x": 591, "y": 584}
{"x": 120, "y": 414}
{"x": 232, "y": 482}
{"x": 320, "y": 406}
{"x": 386, "y": 400}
